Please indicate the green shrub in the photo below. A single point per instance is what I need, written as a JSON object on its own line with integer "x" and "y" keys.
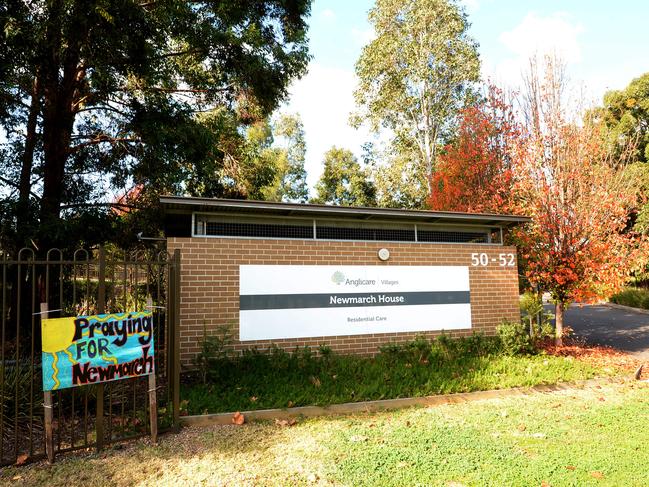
{"x": 276, "y": 378}
{"x": 514, "y": 338}
{"x": 213, "y": 352}
{"x": 15, "y": 398}
{"x": 440, "y": 350}
{"x": 391, "y": 352}
{"x": 536, "y": 319}
{"x": 531, "y": 306}
{"x": 634, "y": 297}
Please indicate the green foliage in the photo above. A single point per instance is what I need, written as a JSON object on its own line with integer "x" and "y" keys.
{"x": 642, "y": 221}
{"x": 325, "y": 351}
{"x": 400, "y": 180}
{"x": 626, "y": 114}
{"x": 634, "y": 297}
{"x": 292, "y": 175}
{"x": 15, "y": 397}
{"x": 514, "y": 338}
{"x": 344, "y": 182}
{"x": 533, "y": 314}
{"x": 279, "y": 379}
{"x": 641, "y": 171}
{"x": 98, "y": 95}
{"x": 213, "y": 352}
{"x": 416, "y": 74}
{"x": 440, "y": 350}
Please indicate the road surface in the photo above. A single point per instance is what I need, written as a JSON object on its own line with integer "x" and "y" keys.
{"x": 603, "y": 325}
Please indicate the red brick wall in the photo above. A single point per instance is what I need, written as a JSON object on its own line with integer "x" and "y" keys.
{"x": 210, "y": 284}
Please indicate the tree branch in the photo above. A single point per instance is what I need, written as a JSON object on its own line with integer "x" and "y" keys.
{"x": 100, "y": 205}
{"x": 15, "y": 185}
{"x": 104, "y": 139}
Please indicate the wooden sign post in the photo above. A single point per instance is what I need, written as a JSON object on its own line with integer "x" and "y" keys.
{"x": 49, "y": 412}
{"x": 95, "y": 349}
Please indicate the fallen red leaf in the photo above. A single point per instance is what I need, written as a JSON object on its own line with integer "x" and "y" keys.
{"x": 598, "y": 356}
{"x": 571, "y": 467}
{"x": 597, "y": 474}
{"x": 238, "y": 418}
{"x": 21, "y": 459}
{"x": 286, "y": 422}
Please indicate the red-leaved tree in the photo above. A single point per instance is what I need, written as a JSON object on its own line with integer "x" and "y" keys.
{"x": 474, "y": 173}
{"x": 578, "y": 195}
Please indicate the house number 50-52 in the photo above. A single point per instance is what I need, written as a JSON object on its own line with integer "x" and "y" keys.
{"x": 503, "y": 260}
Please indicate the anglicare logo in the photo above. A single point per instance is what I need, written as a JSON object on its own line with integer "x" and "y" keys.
{"x": 338, "y": 277}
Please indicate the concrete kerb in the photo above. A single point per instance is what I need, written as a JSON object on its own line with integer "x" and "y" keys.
{"x": 387, "y": 404}
{"x": 626, "y": 308}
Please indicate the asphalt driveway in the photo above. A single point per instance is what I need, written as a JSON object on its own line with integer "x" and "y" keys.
{"x": 604, "y": 325}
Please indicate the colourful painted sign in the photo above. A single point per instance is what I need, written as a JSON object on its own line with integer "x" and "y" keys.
{"x": 97, "y": 348}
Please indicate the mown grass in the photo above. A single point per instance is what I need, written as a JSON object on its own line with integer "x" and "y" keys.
{"x": 592, "y": 436}
{"x": 284, "y": 380}
{"x": 634, "y": 297}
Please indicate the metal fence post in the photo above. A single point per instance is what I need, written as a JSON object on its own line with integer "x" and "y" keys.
{"x": 101, "y": 308}
{"x": 175, "y": 378}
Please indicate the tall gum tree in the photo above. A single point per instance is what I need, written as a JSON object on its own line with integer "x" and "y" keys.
{"x": 344, "y": 181}
{"x": 416, "y": 74}
{"x": 109, "y": 94}
{"x": 625, "y": 113}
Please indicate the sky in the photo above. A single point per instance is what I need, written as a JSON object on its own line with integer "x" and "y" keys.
{"x": 603, "y": 43}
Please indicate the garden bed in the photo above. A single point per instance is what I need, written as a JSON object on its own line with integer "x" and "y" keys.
{"x": 278, "y": 379}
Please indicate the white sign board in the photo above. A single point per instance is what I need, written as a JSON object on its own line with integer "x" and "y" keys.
{"x": 300, "y": 301}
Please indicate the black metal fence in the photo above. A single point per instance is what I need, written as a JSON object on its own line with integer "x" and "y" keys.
{"x": 86, "y": 282}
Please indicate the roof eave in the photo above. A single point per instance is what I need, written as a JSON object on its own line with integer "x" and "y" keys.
{"x": 194, "y": 204}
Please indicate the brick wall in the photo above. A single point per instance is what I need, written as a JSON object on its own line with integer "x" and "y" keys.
{"x": 210, "y": 284}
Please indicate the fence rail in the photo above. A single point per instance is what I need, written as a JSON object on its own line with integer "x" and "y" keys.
{"x": 86, "y": 282}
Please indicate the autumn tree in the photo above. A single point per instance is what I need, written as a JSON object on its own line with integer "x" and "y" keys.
{"x": 344, "y": 182}
{"x": 578, "y": 194}
{"x": 475, "y": 172}
{"x": 415, "y": 76}
{"x": 108, "y": 95}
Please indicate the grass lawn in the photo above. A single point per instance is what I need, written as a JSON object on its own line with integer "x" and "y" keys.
{"x": 283, "y": 380}
{"x": 593, "y": 436}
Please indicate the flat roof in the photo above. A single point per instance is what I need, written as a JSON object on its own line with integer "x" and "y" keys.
{"x": 186, "y": 204}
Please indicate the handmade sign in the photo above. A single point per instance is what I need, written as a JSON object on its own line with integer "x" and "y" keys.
{"x": 97, "y": 348}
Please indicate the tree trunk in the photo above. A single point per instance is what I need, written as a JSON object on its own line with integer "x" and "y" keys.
{"x": 559, "y": 324}
{"x": 25, "y": 185}
{"x": 62, "y": 76}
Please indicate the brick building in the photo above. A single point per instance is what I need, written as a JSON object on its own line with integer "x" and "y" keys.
{"x": 350, "y": 278}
